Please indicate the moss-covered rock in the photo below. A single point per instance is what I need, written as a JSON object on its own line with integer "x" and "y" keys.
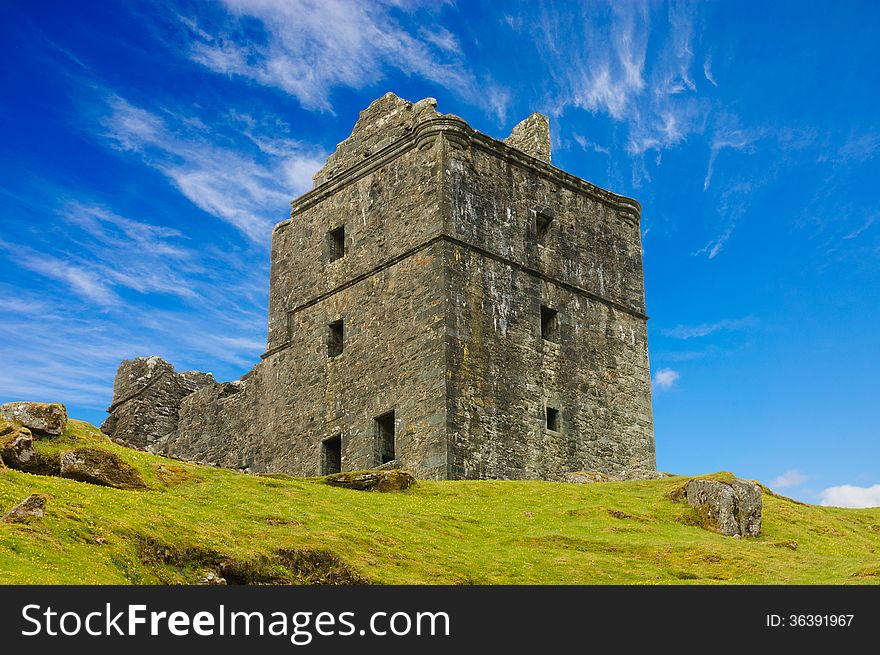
{"x": 99, "y": 466}
{"x": 393, "y": 480}
{"x": 17, "y": 451}
{"x": 30, "y": 508}
{"x": 17, "y": 448}
{"x": 41, "y": 418}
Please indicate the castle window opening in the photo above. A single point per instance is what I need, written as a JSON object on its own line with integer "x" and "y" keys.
{"x": 551, "y": 418}
{"x": 336, "y": 243}
{"x": 549, "y": 324}
{"x": 384, "y": 426}
{"x": 331, "y": 455}
{"x": 335, "y": 338}
{"x": 542, "y": 225}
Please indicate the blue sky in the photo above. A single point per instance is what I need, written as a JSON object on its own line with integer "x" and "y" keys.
{"x": 148, "y": 148}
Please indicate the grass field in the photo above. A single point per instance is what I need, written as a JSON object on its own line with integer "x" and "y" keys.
{"x": 257, "y": 529}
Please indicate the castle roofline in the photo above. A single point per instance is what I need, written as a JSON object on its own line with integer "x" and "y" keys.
{"x": 391, "y": 126}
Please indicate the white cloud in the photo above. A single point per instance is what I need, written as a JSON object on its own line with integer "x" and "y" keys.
{"x": 847, "y": 495}
{"x": 206, "y": 173}
{"x": 860, "y": 148}
{"x": 82, "y": 281}
{"x": 728, "y": 133}
{"x": 716, "y": 245}
{"x": 705, "y": 329}
{"x": 442, "y": 38}
{"x": 665, "y": 378}
{"x": 707, "y": 70}
{"x": 790, "y": 478}
{"x": 603, "y": 65}
{"x": 309, "y": 47}
{"x": 864, "y": 226}
{"x": 588, "y": 145}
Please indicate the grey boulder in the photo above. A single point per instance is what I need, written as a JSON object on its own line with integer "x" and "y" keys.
{"x": 41, "y": 418}
{"x": 733, "y": 509}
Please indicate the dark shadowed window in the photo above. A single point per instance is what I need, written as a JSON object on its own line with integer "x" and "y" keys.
{"x": 331, "y": 455}
{"x": 335, "y": 338}
{"x": 549, "y": 324}
{"x": 542, "y": 226}
{"x": 336, "y": 243}
{"x": 552, "y": 418}
{"x": 384, "y": 427}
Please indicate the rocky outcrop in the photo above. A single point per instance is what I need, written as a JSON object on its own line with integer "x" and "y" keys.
{"x": 393, "y": 480}
{"x": 30, "y": 508}
{"x": 100, "y": 467}
{"x": 147, "y": 393}
{"x": 732, "y": 509}
{"x": 40, "y": 418}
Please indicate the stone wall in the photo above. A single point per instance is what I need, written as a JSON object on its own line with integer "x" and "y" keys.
{"x": 147, "y": 393}
{"x": 503, "y": 375}
{"x": 586, "y": 265}
{"x": 387, "y": 208}
{"x": 276, "y": 418}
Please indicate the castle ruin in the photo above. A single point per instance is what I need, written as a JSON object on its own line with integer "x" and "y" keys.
{"x": 441, "y": 302}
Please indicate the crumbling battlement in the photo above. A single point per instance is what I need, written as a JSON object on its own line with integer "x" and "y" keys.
{"x": 147, "y": 393}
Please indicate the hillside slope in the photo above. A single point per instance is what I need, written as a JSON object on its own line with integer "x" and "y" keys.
{"x": 195, "y": 520}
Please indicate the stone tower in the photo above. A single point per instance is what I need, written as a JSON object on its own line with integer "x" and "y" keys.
{"x": 447, "y": 303}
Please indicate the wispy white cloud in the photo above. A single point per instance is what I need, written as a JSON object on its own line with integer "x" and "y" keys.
{"x": 728, "y": 133}
{"x": 588, "y": 145}
{"x": 791, "y": 478}
{"x": 716, "y": 245}
{"x": 707, "y": 70}
{"x": 847, "y": 495}
{"x": 207, "y": 173}
{"x": 86, "y": 283}
{"x": 665, "y": 379}
{"x": 603, "y": 65}
{"x": 859, "y": 148}
{"x": 705, "y": 329}
{"x": 864, "y": 226}
{"x": 442, "y": 38}
{"x": 735, "y": 200}
{"x": 308, "y": 48}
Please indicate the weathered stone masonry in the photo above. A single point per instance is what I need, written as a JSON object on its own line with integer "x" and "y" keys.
{"x": 447, "y": 303}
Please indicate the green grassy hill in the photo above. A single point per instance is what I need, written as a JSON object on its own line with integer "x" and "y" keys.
{"x": 255, "y": 529}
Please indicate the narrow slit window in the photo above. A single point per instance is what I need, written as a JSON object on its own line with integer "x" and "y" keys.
{"x": 335, "y": 338}
{"x": 542, "y": 226}
{"x": 384, "y": 426}
{"x": 549, "y": 324}
{"x": 331, "y": 455}
{"x": 336, "y": 243}
{"x": 551, "y": 419}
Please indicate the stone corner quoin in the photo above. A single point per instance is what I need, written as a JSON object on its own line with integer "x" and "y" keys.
{"x": 441, "y": 302}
